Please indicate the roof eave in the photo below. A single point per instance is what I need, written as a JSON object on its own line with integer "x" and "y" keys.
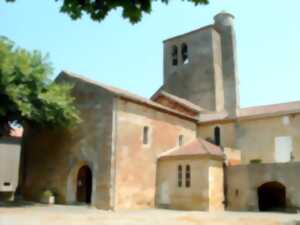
{"x": 192, "y": 156}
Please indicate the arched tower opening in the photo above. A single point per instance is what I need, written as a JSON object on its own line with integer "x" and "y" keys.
{"x": 184, "y": 53}
{"x": 174, "y": 55}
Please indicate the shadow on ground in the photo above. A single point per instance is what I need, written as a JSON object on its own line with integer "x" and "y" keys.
{"x": 15, "y": 204}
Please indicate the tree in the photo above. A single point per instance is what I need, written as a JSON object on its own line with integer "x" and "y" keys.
{"x": 99, "y": 9}
{"x": 28, "y": 95}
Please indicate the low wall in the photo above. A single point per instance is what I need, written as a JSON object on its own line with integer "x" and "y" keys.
{"x": 243, "y": 182}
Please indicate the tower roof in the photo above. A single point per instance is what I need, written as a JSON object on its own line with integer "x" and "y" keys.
{"x": 223, "y": 13}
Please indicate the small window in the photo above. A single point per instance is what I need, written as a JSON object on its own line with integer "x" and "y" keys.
{"x": 187, "y": 176}
{"x": 217, "y": 134}
{"x": 174, "y": 55}
{"x": 184, "y": 53}
{"x": 146, "y": 135}
{"x": 179, "y": 174}
{"x": 180, "y": 140}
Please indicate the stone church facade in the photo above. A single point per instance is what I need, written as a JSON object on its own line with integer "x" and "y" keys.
{"x": 188, "y": 147}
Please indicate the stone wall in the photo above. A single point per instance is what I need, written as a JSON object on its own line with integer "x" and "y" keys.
{"x": 256, "y": 138}
{"x": 244, "y": 180}
{"x": 227, "y": 131}
{"x": 53, "y": 157}
{"x": 216, "y": 185}
{"x": 200, "y": 80}
{"x": 135, "y": 161}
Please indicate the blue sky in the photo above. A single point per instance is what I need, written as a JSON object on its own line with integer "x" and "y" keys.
{"x": 130, "y": 56}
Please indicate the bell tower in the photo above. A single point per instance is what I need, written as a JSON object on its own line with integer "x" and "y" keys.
{"x": 200, "y": 66}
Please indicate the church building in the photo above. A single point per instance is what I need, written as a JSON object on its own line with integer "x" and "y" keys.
{"x": 190, "y": 146}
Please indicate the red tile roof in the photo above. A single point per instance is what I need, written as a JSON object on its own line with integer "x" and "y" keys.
{"x": 204, "y": 116}
{"x": 214, "y": 116}
{"x": 255, "y": 112}
{"x": 125, "y": 94}
{"x": 195, "y": 147}
{"x": 183, "y": 102}
{"x": 269, "y": 110}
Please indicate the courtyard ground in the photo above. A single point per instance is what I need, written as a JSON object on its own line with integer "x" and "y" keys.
{"x": 38, "y": 214}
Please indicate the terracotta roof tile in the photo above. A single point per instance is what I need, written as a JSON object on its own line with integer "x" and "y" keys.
{"x": 195, "y": 147}
{"x": 255, "y": 112}
{"x": 213, "y": 116}
{"x": 125, "y": 94}
{"x": 178, "y": 100}
{"x": 269, "y": 110}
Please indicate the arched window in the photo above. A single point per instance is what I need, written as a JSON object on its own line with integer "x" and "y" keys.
{"x": 180, "y": 140}
{"x": 146, "y": 135}
{"x": 184, "y": 53}
{"x": 179, "y": 176}
{"x": 187, "y": 176}
{"x": 217, "y": 134}
{"x": 174, "y": 55}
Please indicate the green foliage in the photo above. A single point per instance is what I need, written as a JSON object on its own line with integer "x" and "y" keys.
{"x": 99, "y": 9}
{"x": 255, "y": 161}
{"x": 27, "y": 93}
{"x": 47, "y": 194}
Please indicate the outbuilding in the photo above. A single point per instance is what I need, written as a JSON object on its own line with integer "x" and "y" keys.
{"x": 190, "y": 177}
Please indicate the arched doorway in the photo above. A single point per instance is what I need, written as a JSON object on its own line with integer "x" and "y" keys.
{"x": 271, "y": 197}
{"x": 84, "y": 185}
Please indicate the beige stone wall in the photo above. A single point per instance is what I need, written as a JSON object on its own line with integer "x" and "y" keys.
{"x": 256, "y": 138}
{"x": 216, "y": 185}
{"x": 228, "y": 133}
{"x": 53, "y": 157}
{"x": 136, "y": 162}
{"x": 205, "y": 192}
{"x": 243, "y": 181}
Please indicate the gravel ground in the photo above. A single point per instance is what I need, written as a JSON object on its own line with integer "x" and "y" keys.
{"x": 39, "y": 214}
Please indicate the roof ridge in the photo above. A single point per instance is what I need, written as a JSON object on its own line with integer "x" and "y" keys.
{"x": 270, "y": 105}
{"x": 127, "y": 95}
{"x": 203, "y": 145}
{"x": 181, "y": 101}
{"x": 190, "y": 32}
{"x": 196, "y": 146}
